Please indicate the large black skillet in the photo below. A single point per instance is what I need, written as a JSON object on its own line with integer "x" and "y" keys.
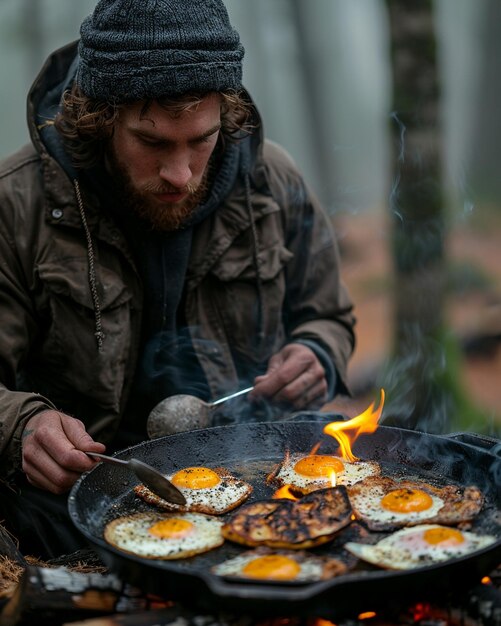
{"x": 250, "y": 450}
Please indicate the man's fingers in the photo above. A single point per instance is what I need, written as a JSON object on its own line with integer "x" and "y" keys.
{"x": 274, "y": 382}
{"x": 54, "y": 485}
{"x": 46, "y": 474}
{"x": 82, "y": 442}
{"x": 56, "y": 438}
{"x": 53, "y": 445}
{"x": 313, "y": 398}
{"x": 298, "y": 382}
{"x": 305, "y": 391}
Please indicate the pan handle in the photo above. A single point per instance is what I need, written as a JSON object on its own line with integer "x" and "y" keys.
{"x": 251, "y": 590}
{"x": 484, "y": 442}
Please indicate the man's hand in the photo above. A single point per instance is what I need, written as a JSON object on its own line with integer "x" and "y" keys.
{"x": 52, "y": 456}
{"x": 295, "y": 378}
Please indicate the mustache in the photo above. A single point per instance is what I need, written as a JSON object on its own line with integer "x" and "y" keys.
{"x": 190, "y": 188}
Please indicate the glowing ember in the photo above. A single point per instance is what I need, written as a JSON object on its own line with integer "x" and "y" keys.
{"x": 284, "y": 492}
{"x": 346, "y": 433}
{"x": 486, "y": 580}
{"x": 367, "y": 615}
{"x": 421, "y": 611}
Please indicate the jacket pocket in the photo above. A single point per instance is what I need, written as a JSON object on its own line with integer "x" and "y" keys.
{"x": 73, "y": 283}
{"x": 241, "y": 304}
{"x": 239, "y": 264}
{"x": 68, "y": 345}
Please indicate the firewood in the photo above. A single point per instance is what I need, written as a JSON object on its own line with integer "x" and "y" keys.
{"x": 49, "y": 596}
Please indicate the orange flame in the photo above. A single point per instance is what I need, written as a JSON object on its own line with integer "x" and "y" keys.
{"x": 486, "y": 580}
{"x": 366, "y": 422}
{"x": 367, "y": 615}
{"x": 333, "y": 478}
{"x": 284, "y": 492}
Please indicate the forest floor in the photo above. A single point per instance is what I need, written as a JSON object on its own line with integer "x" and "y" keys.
{"x": 473, "y": 308}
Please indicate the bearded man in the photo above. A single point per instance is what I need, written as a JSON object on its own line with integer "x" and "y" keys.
{"x": 151, "y": 243}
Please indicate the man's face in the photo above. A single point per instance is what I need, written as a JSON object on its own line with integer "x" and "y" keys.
{"x": 158, "y": 160}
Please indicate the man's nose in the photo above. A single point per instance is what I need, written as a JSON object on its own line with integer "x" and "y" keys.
{"x": 176, "y": 171}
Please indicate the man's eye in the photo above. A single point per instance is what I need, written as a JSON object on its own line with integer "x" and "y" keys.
{"x": 150, "y": 142}
{"x": 209, "y": 139}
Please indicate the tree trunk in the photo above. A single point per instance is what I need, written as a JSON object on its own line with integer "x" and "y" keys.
{"x": 485, "y": 160}
{"x": 308, "y": 69}
{"x": 416, "y": 395}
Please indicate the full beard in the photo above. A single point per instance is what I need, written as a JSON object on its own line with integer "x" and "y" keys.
{"x": 165, "y": 216}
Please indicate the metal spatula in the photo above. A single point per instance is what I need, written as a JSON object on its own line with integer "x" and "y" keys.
{"x": 148, "y": 475}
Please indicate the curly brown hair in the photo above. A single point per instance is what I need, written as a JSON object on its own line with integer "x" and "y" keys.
{"x": 86, "y": 125}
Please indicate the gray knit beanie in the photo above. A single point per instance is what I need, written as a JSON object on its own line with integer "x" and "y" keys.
{"x": 137, "y": 49}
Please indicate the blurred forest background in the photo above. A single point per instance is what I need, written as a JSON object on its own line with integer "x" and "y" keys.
{"x": 391, "y": 109}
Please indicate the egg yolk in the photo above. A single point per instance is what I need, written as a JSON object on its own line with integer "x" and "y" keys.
{"x": 443, "y": 536}
{"x": 317, "y": 465}
{"x": 406, "y": 501}
{"x": 272, "y": 566}
{"x": 173, "y": 528}
{"x": 196, "y": 478}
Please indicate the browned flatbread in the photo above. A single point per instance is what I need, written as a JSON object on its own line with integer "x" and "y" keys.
{"x": 460, "y": 504}
{"x": 224, "y": 497}
{"x": 311, "y": 521}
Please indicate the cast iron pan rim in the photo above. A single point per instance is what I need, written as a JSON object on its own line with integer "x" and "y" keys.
{"x": 409, "y": 432}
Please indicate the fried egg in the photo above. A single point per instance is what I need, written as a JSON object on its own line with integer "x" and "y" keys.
{"x": 309, "y": 472}
{"x": 280, "y": 565}
{"x": 311, "y": 521}
{"x": 210, "y": 491}
{"x": 156, "y": 535}
{"x": 384, "y": 503}
{"x": 419, "y": 546}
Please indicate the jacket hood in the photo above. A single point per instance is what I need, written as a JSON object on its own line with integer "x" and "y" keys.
{"x": 44, "y": 102}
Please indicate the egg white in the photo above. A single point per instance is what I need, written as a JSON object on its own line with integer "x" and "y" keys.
{"x": 312, "y": 567}
{"x": 222, "y": 497}
{"x": 131, "y": 534}
{"x": 367, "y": 505}
{"x": 352, "y": 473}
{"x": 407, "y": 548}
{"x": 216, "y": 500}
